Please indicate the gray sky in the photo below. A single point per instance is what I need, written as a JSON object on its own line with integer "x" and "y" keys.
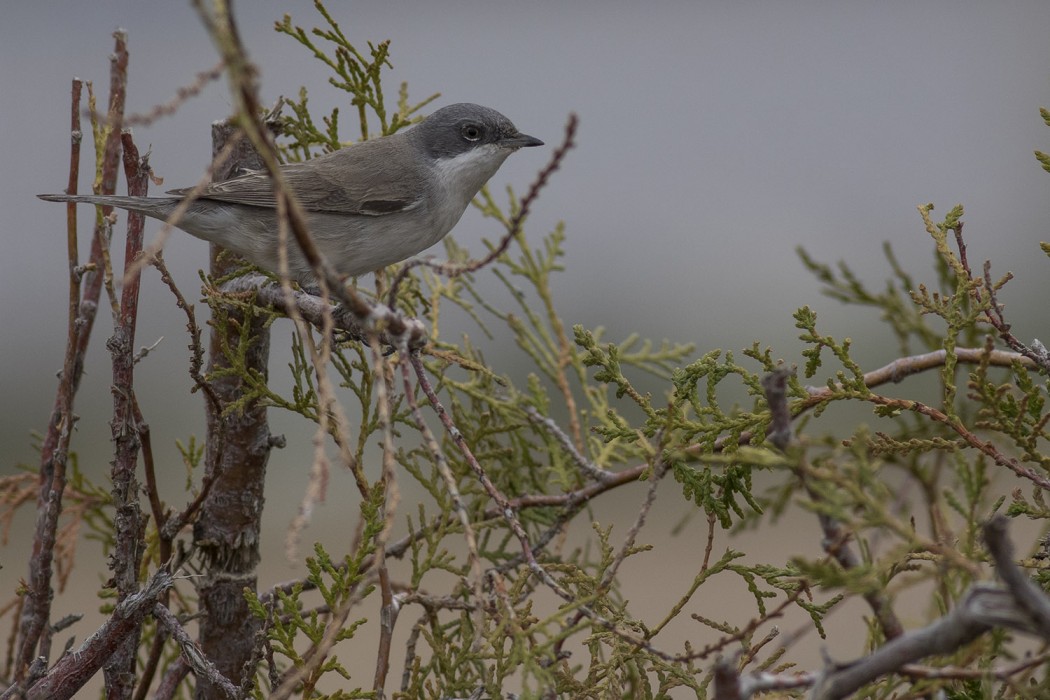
{"x": 714, "y": 138}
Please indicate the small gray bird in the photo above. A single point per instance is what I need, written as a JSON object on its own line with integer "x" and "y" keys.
{"x": 369, "y": 205}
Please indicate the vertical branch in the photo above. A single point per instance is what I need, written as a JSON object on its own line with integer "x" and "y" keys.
{"x": 83, "y": 303}
{"x": 227, "y": 530}
{"x": 391, "y": 495}
{"x": 129, "y": 523}
{"x": 837, "y": 537}
{"x": 73, "y": 670}
{"x": 37, "y": 606}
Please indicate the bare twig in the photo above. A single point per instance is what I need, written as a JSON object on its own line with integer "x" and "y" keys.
{"x": 1028, "y": 596}
{"x": 971, "y": 438}
{"x": 128, "y": 520}
{"x": 836, "y": 541}
{"x": 74, "y": 669}
{"x": 585, "y": 465}
{"x": 391, "y": 497}
{"x": 172, "y": 679}
{"x": 1035, "y": 353}
{"x": 983, "y": 608}
{"x": 168, "y": 108}
{"x": 83, "y": 303}
{"x": 895, "y": 371}
{"x": 192, "y": 655}
{"x": 312, "y": 309}
{"x": 1002, "y": 673}
{"x": 54, "y": 453}
{"x": 436, "y": 454}
{"x": 194, "y": 330}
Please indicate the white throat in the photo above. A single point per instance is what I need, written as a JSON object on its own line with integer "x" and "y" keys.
{"x": 461, "y": 176}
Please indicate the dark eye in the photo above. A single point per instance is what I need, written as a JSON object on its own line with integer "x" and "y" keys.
{"x": 471, "y": 132}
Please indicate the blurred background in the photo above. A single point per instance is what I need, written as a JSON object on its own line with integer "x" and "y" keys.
{"x": 714, "y": 138}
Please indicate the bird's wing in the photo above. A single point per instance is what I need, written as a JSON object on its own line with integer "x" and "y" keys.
{"x": 352, "y": 180}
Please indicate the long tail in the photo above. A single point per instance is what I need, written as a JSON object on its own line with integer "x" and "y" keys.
{"x": 157, "y": 207}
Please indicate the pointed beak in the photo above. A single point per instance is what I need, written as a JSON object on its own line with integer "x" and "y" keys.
{"x": 519, "y": 141}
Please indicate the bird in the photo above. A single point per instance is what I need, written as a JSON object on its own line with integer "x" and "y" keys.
{"x": 368, "y": 205}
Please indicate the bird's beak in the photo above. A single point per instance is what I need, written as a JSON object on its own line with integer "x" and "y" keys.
{"x": 519, "y": 141}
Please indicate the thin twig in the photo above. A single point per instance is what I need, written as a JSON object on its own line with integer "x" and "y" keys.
{"x": 74, "y": 669}
{"x": 582, "y": 463}
{"x": 128, "y": 520}
{"x": 391, "y": 606}
{"x": 438, "y": 456}
{"x": 894, "y": 372}
{"x": 192, "y": 654}
{"x": 1036, "y": 353}
{"x": 1028, "y": 595}
{"x": 168, "y": 108}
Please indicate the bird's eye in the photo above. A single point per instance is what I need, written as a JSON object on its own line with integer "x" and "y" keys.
{"x": 471, "y": 132}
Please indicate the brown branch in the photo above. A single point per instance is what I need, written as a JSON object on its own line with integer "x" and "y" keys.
{"x": 460, "y": 509}
{"x": 313, "y": 309}
{"x": 955, "y": 673}
{"x": 128, "y": 522}
{"x": 1029, "y": 597}
{"x": 1036, "y": 353}
{"x": 165, "y": 109}
{"x": 902, "y": 367}
{"x": 164, "y": 544}
{"x": 226, "y": 531}
{"x": 1021, "y": 607}
{"x": 172, "y": 679}
{"x": 968, "y": 436}
{"x": 192, "y": 655}
{"x": 894, "y": 372}
{"x": 391, "y": 496}
{"x": 836, "y": 540}
{"x": 55, "y": 450}
{"x": 585, "y": 465}
{"x": 410, "y": 650}
{"x": 82, "y": 307}
{"x": 502, "y": 503}
{"x": 74, "y": 669}
{"x": 388, "y": 614}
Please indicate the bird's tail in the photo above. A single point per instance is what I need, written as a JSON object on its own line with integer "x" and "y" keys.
{"x": 158, "y": 207}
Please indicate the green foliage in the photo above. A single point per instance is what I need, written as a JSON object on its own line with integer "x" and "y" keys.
{"x": 908, "y": 493}
{"x": 354, "y": 73}
{"x": 919, "y": 460}
{"x": 339, "y": 587}
{"x": 1044, "y": 160}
